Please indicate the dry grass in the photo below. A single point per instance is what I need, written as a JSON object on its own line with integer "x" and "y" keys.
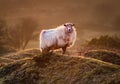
{"x": 54, "y": 68}
{"x": 104, "y": 55}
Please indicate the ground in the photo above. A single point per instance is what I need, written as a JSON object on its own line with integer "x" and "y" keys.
{"x": 31, "y": 67}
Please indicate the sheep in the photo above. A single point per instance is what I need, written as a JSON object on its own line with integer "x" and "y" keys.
{"x": 62, "y": 36}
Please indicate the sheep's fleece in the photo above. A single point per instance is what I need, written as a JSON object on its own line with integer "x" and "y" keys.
{"x": 62, "y": 36}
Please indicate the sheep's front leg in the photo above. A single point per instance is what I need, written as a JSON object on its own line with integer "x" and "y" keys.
{"x": 64, "y": 50}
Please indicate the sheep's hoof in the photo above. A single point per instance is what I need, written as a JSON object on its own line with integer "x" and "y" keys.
{"x": 63, "y": 53}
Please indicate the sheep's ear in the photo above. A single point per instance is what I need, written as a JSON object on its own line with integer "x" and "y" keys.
{"x": 65, "y": 25}
{"x": 73, "y": 24}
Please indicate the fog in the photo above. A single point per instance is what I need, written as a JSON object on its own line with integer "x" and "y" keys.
{"x": 91, "y": 17}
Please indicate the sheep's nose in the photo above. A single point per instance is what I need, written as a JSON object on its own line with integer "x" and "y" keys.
{"x": 69, "y": 30}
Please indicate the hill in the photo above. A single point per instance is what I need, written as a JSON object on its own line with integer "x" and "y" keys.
{"x": 104, "y": 55}
{"x": 31, "y": 67}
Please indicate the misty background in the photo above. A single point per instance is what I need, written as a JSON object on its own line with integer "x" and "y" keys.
{"x": 92, "y": 18}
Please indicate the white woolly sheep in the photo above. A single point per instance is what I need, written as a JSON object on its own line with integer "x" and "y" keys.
{"x": 61, "y": 37}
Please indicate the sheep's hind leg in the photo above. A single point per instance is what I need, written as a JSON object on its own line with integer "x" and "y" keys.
{"x": 45, "y": 51}
{"x": 64, "y": 50}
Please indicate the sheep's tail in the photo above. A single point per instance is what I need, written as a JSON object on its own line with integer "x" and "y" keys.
{"x": 42, "y": 40}
{"x": 43, "y": 31}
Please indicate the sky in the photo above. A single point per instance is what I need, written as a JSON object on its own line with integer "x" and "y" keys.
{"x": 91, "y": 17}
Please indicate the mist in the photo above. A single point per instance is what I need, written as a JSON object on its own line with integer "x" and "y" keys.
{"x": 91, "y": 17}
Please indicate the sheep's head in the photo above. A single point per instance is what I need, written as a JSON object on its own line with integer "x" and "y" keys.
{"x": 69, "y": 27}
